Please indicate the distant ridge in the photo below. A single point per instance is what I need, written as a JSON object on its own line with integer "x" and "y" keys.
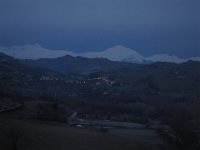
{"x": 116, "y": 53}
{"x": 68, "y": 64}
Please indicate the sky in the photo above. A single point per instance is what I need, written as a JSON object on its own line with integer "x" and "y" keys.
{"x": 147, "y": 26}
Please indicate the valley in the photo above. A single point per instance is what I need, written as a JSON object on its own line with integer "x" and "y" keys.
{"x": 154, "y": 103}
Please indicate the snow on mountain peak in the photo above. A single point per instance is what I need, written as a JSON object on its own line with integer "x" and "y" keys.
{"x": 121, "y": 50}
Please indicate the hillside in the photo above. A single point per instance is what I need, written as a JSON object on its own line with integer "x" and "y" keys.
{"x": 17, "y": 78}
{"x": 161, "y": 77}
{"x": 156, "y": 95}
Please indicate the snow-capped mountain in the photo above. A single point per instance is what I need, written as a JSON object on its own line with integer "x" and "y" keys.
{"x": 116, "y": 53}
{"x": 33, "y": 52}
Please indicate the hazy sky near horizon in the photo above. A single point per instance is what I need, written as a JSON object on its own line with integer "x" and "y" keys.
{"x": 147, "y": 26}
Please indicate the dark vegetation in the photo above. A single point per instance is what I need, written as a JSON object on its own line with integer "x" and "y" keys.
{"x": 164, "y": 96}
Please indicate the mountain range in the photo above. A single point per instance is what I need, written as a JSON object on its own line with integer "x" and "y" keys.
{"x": 116, "y": 53}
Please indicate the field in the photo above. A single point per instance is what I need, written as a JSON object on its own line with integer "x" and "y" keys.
{"x": 34, "y": 134}
{"x": 146, "y": 135}
{"x": 136, "y": 131}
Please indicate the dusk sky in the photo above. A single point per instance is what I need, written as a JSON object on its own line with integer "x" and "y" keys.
{"x": 147, "y": 26}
